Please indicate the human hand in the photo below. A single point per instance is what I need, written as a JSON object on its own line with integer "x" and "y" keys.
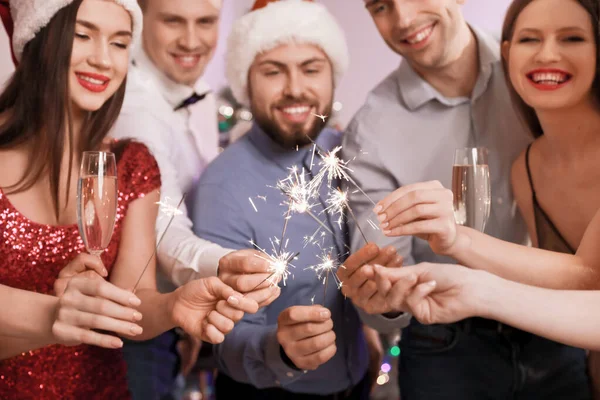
{"x": 208, "y": 308}
{"x": 441, "y": 293}
{"x": 425, "y": 210}
{"x": 358, "y": 277}
{"x": 90, "y": 302}
{"x": 306, "y": 335}
{"x": 84, "y": 264}
{"x": 246, "y": 271}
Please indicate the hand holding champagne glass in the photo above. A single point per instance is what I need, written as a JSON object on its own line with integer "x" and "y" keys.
{"x": 471, "y": 187}
{"x": 97, "y": 200}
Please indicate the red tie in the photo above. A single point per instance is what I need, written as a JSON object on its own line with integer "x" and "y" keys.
{"x": 8, "y": 23}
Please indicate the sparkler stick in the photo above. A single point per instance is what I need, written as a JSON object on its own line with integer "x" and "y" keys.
{"x": 338, "y": 202}
{"x": 279, "y": 264}
{"x": 167, "y": 210}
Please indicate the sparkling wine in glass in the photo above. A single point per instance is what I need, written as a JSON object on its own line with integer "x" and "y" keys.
{"x": 471, "y": 187}
{"x": 97, "y": 200}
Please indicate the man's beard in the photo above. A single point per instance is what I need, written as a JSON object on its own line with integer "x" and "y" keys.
{"x": 298, "y": 137}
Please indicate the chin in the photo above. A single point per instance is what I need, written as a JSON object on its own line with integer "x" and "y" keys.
{"x": 90, "y": 104}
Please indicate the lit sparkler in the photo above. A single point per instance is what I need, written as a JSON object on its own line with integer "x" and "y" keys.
{"x": 168, "y": 210}
{"x": 337, "y": 204}
{"x": 327, "y": 266}
{"x": 279, "y": 264}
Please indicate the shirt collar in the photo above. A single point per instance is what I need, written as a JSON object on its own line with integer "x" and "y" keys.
{"x": 327, "y": 140}
{"x": 175, "y": 93}
{"x": 416, "y": 91}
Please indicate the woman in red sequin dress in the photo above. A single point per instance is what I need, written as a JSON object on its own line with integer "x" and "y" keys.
{"x": 63, "y": 98}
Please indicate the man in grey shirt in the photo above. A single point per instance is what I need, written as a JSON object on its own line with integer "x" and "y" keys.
{"x": 448, "y": 93}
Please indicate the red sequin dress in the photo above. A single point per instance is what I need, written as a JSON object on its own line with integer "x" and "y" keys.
{"x": 31, "y": 256}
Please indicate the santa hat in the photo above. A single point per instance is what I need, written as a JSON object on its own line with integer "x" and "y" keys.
{"x": 272, "y": 23}
{"x": 30, "y": 16}
{"x": 8, "y": 24}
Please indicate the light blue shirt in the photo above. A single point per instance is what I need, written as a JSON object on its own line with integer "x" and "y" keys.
{"x": 407, "y": 133}
{"x": 224, "y": 214}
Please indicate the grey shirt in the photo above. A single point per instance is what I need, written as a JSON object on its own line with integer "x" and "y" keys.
{"x": 407, "y": 133}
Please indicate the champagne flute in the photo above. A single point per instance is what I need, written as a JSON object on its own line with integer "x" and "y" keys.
{"x": 471, "y": 187}
{"x": 97, "y": 200}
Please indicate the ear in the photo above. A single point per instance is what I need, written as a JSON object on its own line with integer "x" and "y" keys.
{"x": 505, "y": 50}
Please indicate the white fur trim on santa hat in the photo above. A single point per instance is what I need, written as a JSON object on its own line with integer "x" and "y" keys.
{"x": 279, "y": 23}
{"x": 30, "y": 16}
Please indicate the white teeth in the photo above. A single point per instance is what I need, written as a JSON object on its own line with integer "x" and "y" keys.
{"x": 419, "y": 37}
{"x": 188, "y": 59}
{"x": 91, "y": 80}
{"x": 296, "y": 110}
{"x": 549, "y": 77}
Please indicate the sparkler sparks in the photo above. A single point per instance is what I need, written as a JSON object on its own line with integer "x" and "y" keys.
{"x": 279, "y": 264}
{"x": 327, "y": 266}
{"x": 168, "y": 210}
{"x": 322, "y": 117}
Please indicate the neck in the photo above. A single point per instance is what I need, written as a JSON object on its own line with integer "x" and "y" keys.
{"x": 571, "y": 133}
{"x": 458, "y": 77}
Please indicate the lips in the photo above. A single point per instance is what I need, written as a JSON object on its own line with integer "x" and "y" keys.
{"x": 95, "y": 83}
{"x": 549, "y": 79}
{"x": 186, "y": 61}
{"x": 297, "y": 113}
{"x": 419, "y": 38}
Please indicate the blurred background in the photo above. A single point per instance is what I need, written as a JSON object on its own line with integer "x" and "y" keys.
{"x": 370, "y": 62}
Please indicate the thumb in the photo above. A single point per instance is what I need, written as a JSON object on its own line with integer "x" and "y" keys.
{"x": 383, "y": 283}
{"x": 416, "y": 299}
{"x": 220, "y": 290}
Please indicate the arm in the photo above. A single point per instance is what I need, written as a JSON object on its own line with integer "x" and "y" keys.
{"x": 251, "y": 352}
{"x": 373, "y": 178}
{"x": 426, "y": 210}
{"x": 182, "y": 255}
{"x": 458, "y": 293}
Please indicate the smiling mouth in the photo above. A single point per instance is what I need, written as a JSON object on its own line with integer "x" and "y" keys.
{"x": 420, "y": 36}
{"x": 187, "y": 61}
{"x": 297, "y": 113}
{"x": 554, "y": 78}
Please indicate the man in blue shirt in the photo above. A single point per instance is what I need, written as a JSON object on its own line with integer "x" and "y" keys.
{"x": 283, "y": 62}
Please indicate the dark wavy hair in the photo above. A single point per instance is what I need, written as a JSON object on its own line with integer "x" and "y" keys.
{"x": 37, "y": 105}
{"x": 526, "y": 112}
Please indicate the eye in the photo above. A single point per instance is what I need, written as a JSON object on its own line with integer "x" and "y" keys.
{"x": 120, "y": 45}
{"x": 528, "y": 40}
{"x": 271, "y": 73}
{"x": 312, "y": 71}
{"x": 574, "y": 39}
{"x": 81, "y": 36}
{"x": 379, "y": 8}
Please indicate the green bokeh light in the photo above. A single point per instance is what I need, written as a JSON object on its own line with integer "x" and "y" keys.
{"x": 395, "y": 351}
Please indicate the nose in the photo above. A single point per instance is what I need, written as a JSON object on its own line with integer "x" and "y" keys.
{"x": 405, "y": 13}
{"x": 549, "y": 52}
{"x": 294, "y": 86}
{"x": 100, "y": 58}
{"x": 189, "y": 40}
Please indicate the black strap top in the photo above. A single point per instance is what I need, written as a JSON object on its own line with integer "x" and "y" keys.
{"x": 549, "y": 238}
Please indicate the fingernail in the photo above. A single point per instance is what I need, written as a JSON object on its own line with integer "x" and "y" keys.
{"x": 382, "y": 217}
{"x": 275, "y": 289}
{"x": 234, "y": 301}
{"x": 432, "y": 283}
{"x": 325, "y": 314}
{"x": 390, "y": 250}
{"x": 399, "y": 259}
{"x": 134, "y": 301}
{"x": 387, "y": 232}
{"x": 378, "y": 208}
{"x": 385, "y": 224}
{"x": 104, "y": 272}
{"x": 117, "y": 344}
{"x": 137, "y": 316}
{"x": 136, "y": 330}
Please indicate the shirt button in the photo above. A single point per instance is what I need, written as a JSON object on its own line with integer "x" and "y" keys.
{"x": 290, "y": 375}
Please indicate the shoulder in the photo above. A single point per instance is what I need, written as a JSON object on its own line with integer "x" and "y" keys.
{"x": 234, "y": 166}
{"x": 136, "y": 165}
{"x": 384, "y": 99}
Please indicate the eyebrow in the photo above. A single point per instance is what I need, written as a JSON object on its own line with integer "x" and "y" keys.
{"x": 371, "y": 3}
{"x": 565, "y": 29}
{"x": 207, "y": 17}
{"x": 95, "y": 28}
{"x": 303, "y": 64}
